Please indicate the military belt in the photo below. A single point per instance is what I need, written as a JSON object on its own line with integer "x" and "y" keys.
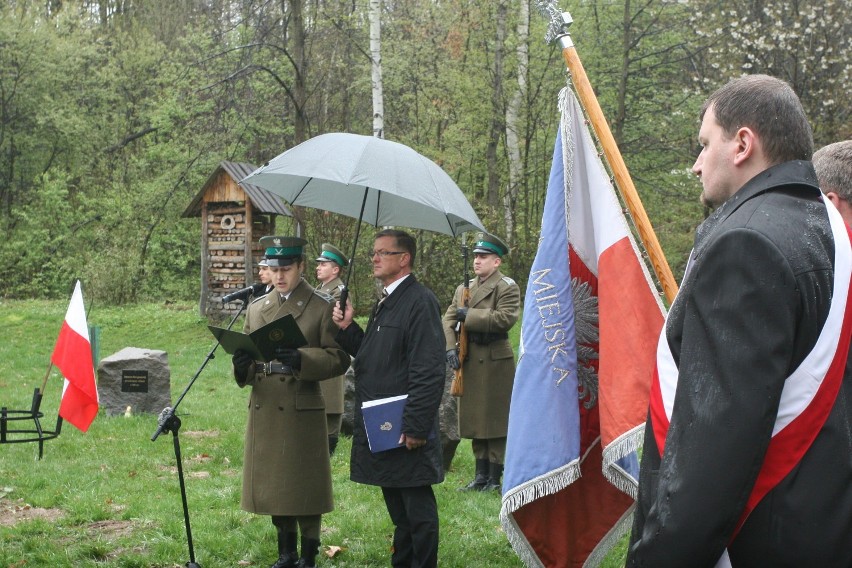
{"x": 482, "y": 338}
{"x": 273, "y": 368}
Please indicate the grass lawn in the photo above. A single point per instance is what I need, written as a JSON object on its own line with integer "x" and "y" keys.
{"x": 111, "y": 497}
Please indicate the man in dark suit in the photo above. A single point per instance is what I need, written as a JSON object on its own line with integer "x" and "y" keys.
{"x": 400, "y": 352}
{"x": 747, "y": 457}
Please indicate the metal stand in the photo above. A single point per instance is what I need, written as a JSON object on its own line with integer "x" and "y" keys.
{"x": 169, "y": 422}
{"x": 36, "y": 434}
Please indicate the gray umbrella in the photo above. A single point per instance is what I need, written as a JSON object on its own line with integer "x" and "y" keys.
{"x": 373, "y": 180}
{"x": 377, "y": 181}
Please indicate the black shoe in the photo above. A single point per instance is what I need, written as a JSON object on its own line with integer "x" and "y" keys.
{"x": 480, "y": 480}
{"x": 495, "y": 472}
{"x": 287, "y": 560}
{"x": 288, "y": 557}
{"x": 478, "y": 484}
{"x": 310, "y": 549}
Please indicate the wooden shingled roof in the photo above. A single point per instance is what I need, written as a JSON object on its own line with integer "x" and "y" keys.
{"x": 264, "y": 201}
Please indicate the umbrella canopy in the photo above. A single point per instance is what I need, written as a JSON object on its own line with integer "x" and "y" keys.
{"x": 377, "y": 181}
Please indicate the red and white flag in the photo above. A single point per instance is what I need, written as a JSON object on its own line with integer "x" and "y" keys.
{"x": 588, "y": 343}
{"x": 73, "y": 357}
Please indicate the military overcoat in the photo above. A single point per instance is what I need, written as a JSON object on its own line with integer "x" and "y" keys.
{"x": 333, "y": 389}
{"x": 286, "y": 467}
{"x": 489, "y": 369}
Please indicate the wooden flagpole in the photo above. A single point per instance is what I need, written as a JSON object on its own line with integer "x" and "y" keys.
{"x": 46, "y": 375}
{"x": 558, "y": 31}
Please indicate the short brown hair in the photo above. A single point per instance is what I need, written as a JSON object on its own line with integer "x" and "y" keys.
{"x": 771, "y": 108}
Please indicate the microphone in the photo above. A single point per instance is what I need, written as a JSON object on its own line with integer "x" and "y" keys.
{"x": 244, "y": 294}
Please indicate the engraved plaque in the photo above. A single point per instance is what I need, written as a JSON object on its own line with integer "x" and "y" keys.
{"x": 134, "y": 381}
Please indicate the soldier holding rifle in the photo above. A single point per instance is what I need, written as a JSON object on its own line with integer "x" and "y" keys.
{"x": 330, "y": 265}
{"x": 488, "y": 371}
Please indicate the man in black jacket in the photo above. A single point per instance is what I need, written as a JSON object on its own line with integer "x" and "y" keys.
{"x": 401, "y": 352}
{"x": 747, "y": 457}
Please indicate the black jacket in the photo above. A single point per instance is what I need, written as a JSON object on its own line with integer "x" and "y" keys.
{"x": 752, "y": 304}
{"x": 400, "y": 352}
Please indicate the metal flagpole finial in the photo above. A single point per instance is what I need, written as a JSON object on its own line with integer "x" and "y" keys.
{"x": 557, "y": 29}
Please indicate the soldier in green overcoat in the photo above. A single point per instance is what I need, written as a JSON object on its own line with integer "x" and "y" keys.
{"x": 489, "y": 368}
{"x": 286, "y": 470}
{"x": 330, "y": 265}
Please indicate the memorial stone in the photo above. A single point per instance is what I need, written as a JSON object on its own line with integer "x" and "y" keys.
{"x": 138, "y": 379}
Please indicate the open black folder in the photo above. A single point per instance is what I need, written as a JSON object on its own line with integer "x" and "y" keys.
{"x": 262, "y": 342}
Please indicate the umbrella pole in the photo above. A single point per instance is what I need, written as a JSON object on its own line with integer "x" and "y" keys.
{"x": 344, "y": 294}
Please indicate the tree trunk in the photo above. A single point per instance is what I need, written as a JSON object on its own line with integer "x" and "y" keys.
{"x": 297, "y": 37}
{"x": 513, "y": 121}
{"x": 376, "y": 68}
{"x": 621, "y": 111}
{"x": 492, "y": 196}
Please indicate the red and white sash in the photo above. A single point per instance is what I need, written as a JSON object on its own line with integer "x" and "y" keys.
{"x": 808, "y": 394}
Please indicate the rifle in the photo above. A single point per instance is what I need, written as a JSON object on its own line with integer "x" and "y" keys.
{"x": 457, "y": 386}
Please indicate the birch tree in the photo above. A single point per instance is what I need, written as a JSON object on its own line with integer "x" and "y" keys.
{"x": 513, "y": 120}
{"x": 376, "y": 68}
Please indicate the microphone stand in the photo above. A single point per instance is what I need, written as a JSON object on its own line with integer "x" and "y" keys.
{"x": 169, "y": 422}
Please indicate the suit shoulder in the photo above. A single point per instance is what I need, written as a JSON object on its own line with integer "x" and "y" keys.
{"x": 509, "y": 281}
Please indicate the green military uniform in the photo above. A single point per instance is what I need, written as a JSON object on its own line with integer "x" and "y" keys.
{"x": 489, "y": 368}
{"x": 333, "y": 390}
{"x": 286, "y": 470}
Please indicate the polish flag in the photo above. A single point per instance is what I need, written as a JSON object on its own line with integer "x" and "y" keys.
{"x": 73, "y": 357}
{"x": 588, "y": 347}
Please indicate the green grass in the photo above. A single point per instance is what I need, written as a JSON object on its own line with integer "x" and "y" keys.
{"x": 111, "y": 496}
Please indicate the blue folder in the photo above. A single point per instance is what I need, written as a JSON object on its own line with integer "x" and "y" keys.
{"x": 383, "y": 422}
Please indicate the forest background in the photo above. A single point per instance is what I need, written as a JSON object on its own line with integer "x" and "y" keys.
{"x": 114, "y": 113}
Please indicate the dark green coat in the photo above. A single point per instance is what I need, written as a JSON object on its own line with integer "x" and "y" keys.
{"x": 286, "y": 469}
{"x": 489, "y": 370}
{"x": 333, "y": 389}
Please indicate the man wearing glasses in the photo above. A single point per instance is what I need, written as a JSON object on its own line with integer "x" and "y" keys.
{"x": 401, "y": 352}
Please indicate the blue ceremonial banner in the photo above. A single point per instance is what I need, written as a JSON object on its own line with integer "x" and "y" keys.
{"x": 544, "y": 400}
{"x": 588, "y": 343}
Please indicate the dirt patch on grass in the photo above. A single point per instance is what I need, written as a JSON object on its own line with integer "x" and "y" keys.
{"x": 110, "y": 529}
{"x": 14, "y": 512}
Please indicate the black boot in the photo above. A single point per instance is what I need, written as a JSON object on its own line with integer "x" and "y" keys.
{"x": 310, "y": 549}
{"x": 288, "y": 557}
{"x": 480, "y": 480}
{"x": 332, "y": 444}
{"x": 495, "y": 472}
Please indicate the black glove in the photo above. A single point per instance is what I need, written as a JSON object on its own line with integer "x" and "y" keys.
{"x": 242, "y": 360}
{"x": 453, "y": 359}
{"x": 289, "y": 356}
{"x": 461, "y": 314}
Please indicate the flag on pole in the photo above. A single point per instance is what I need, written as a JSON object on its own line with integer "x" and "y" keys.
{"x": 591, "y": 321}
{"x": 72, "y": 355}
